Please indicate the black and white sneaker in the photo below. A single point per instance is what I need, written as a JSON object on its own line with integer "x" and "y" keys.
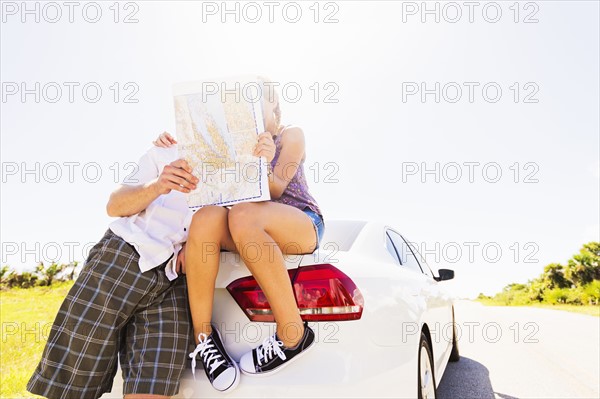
{"x": 271, "y": 356}
{"x": 222, "y": 371}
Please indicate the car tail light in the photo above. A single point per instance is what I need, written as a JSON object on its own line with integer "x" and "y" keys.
{"x": 323, "y": 293}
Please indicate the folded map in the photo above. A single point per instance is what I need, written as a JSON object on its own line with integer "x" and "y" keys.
{"x": 217, "y": 123}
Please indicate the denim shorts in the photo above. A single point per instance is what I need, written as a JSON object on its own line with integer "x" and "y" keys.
{"x": 318, "y": 223}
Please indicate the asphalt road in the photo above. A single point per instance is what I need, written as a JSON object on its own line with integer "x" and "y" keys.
{"x": 523, "y": 352}
{"x": 517, "y": 352}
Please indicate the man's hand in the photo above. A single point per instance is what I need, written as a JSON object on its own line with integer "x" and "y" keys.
{"x": 265, "y": 146}
{"x": 176, "y": 176}
{"x": 180, "y": 262}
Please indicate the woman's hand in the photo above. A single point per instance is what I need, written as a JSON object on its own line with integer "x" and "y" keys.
{"x": 265, "y": 147}
{"x": 165, "y": 140}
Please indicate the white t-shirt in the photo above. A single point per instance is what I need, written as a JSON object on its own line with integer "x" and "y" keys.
{"x": 160, "y": 230}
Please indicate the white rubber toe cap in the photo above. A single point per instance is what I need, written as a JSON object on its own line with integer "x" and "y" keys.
{"x": 247, "y": 363}
{"x": 227, "y": 380}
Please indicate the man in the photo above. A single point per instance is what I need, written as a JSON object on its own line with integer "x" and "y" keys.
{"x": 128, "y": 301}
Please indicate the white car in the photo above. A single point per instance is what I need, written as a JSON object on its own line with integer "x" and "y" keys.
{"x": 384, "y": 324}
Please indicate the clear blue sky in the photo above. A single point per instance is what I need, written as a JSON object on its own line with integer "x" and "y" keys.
{"x": 366, "y": 152}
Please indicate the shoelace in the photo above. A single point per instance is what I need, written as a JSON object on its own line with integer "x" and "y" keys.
{"x": 209, "y": 354}
{"x": 269, "y": 348}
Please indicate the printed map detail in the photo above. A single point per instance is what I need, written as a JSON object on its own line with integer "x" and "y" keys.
{"x": 216, "y": 135}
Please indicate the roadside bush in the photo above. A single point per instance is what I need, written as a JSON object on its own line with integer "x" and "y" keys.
{"x": 574, "y": 296}
{"x": 48, "y": 274}
{"x": 556, "y": 295}
{"x": 513, "y": 294}
{"x": 41, "y": 276}
{"x": 520, "y": 298}
{"x": 591, "y": 293}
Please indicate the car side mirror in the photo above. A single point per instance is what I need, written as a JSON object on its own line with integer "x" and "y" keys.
{"x": 445, "y": 274}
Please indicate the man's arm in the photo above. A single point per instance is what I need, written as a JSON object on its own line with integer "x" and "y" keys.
{"x": 129, "y": 200}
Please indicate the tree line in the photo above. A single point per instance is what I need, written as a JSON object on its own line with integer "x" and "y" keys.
{"x": 576, "y": 283}
{"x": 41, "y": 276}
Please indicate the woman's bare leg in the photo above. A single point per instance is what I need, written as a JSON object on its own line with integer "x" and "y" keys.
{"x": 209, "y": 232}
{"x": 261, "y": 231}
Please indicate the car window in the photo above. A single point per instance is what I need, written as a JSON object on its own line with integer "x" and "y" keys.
{"x": 390, "y": 247}
{"x": 424, "y": 265}
{"x": 407, "y": 258}
{"x": 426, "y": 268}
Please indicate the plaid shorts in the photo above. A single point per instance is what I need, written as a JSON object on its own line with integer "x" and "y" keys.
{"x": 115, "y": 311}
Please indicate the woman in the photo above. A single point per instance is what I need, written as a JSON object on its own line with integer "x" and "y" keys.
{"x": 292, "y": 221}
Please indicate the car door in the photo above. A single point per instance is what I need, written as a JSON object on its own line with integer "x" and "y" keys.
{"x": 436, "y": 310}
{"x": 440, "y": 308}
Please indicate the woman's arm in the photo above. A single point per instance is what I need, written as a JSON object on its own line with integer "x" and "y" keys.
{"x": 292, "y": 153}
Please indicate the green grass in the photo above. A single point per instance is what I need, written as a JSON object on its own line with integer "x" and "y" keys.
{"x": 591, "y": 310}
{"x": 584, "y": 309}
{"x": 26, "y": 316}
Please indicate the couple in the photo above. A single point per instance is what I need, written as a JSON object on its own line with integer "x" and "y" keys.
{"x": 130, "y": 301}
